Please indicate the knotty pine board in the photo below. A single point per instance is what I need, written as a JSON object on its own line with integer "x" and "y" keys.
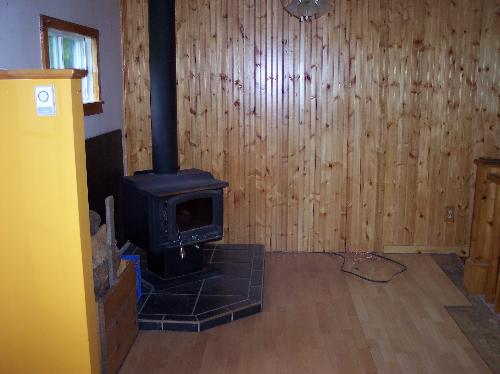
{"x": 354, "y": 131}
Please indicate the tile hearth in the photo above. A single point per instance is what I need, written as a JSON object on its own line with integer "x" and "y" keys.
{"x": 231, "y": 287}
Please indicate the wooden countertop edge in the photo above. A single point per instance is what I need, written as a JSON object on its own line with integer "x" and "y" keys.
{"x": 43, "y": 74}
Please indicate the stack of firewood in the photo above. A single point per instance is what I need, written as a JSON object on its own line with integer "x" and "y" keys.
{"x": 105, "y": 254}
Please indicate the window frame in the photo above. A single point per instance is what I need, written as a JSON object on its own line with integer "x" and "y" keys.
{"x": 47, "y": 22}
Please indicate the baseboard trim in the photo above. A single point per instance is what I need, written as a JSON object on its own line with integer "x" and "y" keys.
{"x": 462, "y": 251}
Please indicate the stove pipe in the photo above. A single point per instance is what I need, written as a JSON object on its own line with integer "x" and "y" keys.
{"x": 163, "y": 85}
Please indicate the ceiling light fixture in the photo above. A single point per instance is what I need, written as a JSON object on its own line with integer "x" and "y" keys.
{"x": 306, "y": 9}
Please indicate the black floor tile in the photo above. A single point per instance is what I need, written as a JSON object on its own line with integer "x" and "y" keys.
{"x": 232, "y": 256}
{"x": 160, "y": 285}
{"x": 169, "y": 304}
{"x": 146, "y": 287}
{"x": 210, "y": 246}
{"x": 255, "y": 293}
{"x": 259, "y": 251}
{"x": 151, "y": 279}
{"x": 242, "y": 270}
{"x": 225, "y": 286}
{"x": 258, "y": 263}
{"x": 152, "y": 317}
{"x": 179, "y": 318}
{"x": 148, "y": 325}
{"x": 181, "y": 326}
{"x": 142, "y": 300}
{"x": 191, "y": 288}
{"x": 248, "y": 310}
{"x": 213, "y": 313}
{"x": 257, "y": 278}
{"x": 228, "y": 289}
{"x": 207, "y": 255}
{"x": 210, "y": 303}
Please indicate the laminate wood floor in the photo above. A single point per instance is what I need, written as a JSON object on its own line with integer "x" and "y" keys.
{"x": 317, "y": 319}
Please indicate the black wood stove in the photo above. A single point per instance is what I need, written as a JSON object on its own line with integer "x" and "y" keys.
{"x": 168, "y": 212}
{"x": 171, "y": 215}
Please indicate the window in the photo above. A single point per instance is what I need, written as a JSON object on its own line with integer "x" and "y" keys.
{"x": 67, "y": 45}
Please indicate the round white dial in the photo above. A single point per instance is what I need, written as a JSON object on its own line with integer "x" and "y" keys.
{"x": 43, "y": 96}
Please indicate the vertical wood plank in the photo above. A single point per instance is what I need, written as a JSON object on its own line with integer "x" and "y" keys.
{"x": 136, "y": 100}
{"x": 356, "y": 130}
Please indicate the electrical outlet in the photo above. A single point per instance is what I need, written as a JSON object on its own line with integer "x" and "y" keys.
{"x": 450, "y": 214}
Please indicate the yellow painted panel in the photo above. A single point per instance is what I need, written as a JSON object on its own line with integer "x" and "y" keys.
{"x": 48, "y": 318}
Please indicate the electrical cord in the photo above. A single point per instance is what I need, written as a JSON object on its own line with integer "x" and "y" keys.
{"x": 344, "y": 270}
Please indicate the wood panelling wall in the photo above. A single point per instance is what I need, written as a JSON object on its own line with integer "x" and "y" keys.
{"x": 353, "y": 131}
{"x": 136, "y": 99}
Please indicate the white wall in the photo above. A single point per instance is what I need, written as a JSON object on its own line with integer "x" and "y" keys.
{"x": 20, "y": 46}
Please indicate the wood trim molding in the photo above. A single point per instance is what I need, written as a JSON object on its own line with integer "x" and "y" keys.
{"x": 43, "y": 74}
{"x": 89, "y": 109}
{"x": 462, "y": 251}
{"x": 47, "y": 22}
{"x": 44, "y": 42}
{"x": 59, "y": 24}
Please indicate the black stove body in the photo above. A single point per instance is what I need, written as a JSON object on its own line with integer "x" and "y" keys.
{"x": 171, "y": 215}
{"x": 168, "y": 211}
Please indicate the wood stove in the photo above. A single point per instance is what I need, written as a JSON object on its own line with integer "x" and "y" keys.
{"x": 171, "y": 215}
{"x": 168, "y": 212}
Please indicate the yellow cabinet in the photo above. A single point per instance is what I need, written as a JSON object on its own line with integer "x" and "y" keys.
{"x": 48, "y": 314}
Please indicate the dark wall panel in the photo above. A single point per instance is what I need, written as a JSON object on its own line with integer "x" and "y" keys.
{"x": 104, "y": 175}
